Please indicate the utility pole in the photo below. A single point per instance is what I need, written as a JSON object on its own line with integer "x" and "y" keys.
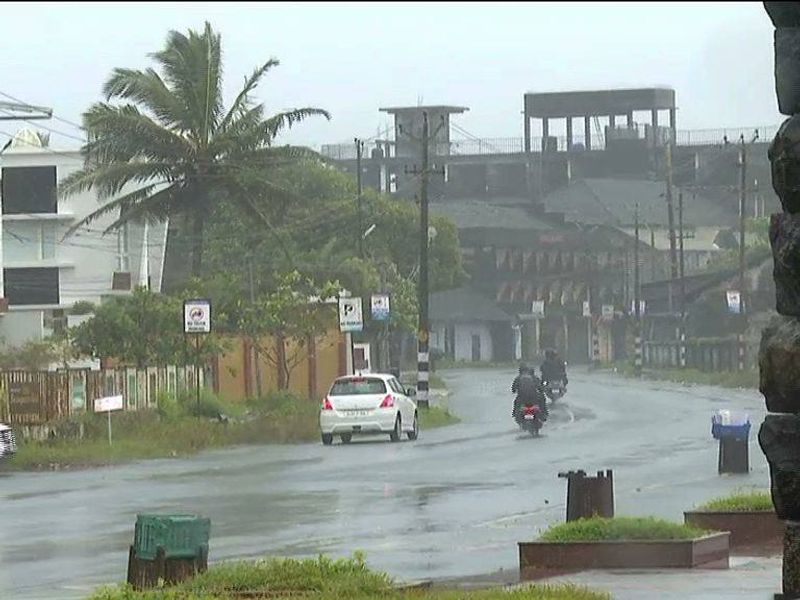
{"x": 423, "y": 333}
{"x": 682, "y": 331}
{"x": 359, "y": 150}
{"x": 256, "y": 356}
{"x": 742, "y": 202}
{"x": 673, "y": 257}
{"x": 637, "y": 330}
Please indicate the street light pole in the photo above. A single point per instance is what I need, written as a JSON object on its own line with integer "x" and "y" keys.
{"x": 636, "y": 298}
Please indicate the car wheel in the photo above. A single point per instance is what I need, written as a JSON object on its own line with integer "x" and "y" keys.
{"x": 414, "y": 433}
{"x": 327, "y": 439}
{"x": 397, "y": 431}
{"x": 346, "y": 438}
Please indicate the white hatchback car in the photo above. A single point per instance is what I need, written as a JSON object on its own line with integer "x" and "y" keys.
{"x": 368, "y": 404}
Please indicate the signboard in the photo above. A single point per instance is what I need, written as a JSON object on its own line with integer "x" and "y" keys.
{"x": 537, "y": 308}
{"x": 197, "y": 316}
{"x": 350, "y": 315}
{"x": 608, "y": 312}
{"x": 734, "y": 301}
{"x": 24, "y": 403}
{"x": 78, "y": 393}
{"x": 108, "y": 404}
{"x": 587, "y": 310}
{"x": 380, "y": 307}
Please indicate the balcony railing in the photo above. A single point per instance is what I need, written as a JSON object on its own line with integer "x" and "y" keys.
{"x": 516, "y": 145}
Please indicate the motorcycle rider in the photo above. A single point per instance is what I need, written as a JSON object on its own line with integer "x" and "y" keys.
{"x": 553, "y": 368}
{"x": 527, "y": 390}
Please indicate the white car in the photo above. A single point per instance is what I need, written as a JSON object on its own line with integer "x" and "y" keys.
{"x": 368, "y": 404}
{"x": 8, "y": 444}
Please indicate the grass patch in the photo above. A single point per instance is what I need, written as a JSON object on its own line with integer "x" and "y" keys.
{"x": 178, "y": 428}
{"x": 436, "y": 416}
{"x": 619, "y": 528}
{"x": 175, "y": 428}
{"x": 741, "y": 501}
{"x": 321, "y": 579}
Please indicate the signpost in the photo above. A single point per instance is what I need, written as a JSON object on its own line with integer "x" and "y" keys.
{"x": 734, "y": 302}
{"x": 106, "y": 405}
{"x": 197, "y": 322}
{"x": 608, "y": 312}
{"x": 350, "y": 315}
{"x": 380, "y": 307}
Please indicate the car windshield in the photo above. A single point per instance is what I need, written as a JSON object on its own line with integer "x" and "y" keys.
{"x": 358, "y": 387}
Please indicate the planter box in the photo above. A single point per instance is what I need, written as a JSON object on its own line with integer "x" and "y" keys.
{"x": 708, "y": 551}
{"x": 747, "y": 528}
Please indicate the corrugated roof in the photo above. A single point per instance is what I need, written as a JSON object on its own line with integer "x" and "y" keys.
{"x": 464, "y": 304}
{"x": 483, "y": 214}
{"x": 612, "y": 201}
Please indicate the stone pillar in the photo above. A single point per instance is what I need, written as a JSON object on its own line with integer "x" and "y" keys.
{"x": 779, "y": 355}
{"x": 545, "y": 133}
{"x": 587, "y": 128}
{"x": 569, "y": 134}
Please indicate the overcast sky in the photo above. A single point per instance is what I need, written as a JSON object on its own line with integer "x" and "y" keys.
{"x": 352, "y": 58}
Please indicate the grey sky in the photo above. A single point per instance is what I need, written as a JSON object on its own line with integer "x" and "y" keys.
{"x": 352, "y": 58}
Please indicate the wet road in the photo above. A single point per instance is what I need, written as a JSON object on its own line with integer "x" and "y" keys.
{"x": 452, "y": 504}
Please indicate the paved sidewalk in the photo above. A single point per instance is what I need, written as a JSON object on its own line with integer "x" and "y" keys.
{"x": 748, "y": 577}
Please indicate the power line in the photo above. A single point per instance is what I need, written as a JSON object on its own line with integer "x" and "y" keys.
{"x": 68, "y": 122}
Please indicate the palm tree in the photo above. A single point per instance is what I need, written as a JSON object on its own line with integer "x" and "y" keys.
{"x": 171, "y": 150}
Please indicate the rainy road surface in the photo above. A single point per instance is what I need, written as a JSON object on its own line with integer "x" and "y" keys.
{"x": 452, "y": 504}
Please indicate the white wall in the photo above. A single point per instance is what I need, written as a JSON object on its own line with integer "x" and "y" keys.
{"x": 464, "y": 333}
{"x": 86, "y": 259}
{"x": 16, "y": 328}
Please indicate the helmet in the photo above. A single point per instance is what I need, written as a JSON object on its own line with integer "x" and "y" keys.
{"x": 550, "y": 353}
{"x": 523, "y": 368}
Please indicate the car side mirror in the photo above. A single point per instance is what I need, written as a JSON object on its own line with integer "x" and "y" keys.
{"x": 411, "y": 392}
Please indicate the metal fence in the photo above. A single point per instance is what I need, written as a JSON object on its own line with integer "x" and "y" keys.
{"x": 31, "y": 398}
{"x": 704, "y": 355}
{"x": 516, "y": 145}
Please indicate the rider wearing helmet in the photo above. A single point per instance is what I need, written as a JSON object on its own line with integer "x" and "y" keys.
{"x": 553, "y": 368}
{"x": 527, "y": 390}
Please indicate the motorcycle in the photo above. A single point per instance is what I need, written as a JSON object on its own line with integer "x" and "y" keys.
{"x": 530, "y": 419}
{"x": 555, "y": 390}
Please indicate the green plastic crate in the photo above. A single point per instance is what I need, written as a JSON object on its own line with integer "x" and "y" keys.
{"x": 181, "y": 536}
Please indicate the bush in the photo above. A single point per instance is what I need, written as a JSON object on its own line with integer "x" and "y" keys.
{"x": 619, "y": 528}
{"x": 323, "y": 579}
{"x": 741, "y": 501}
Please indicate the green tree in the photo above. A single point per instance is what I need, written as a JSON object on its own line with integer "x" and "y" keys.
{"x": 291, "y": 314}
{"x": 142, "y": 329}
{"x": 171, "y": 149}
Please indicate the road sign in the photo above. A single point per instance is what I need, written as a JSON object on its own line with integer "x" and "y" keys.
{"x": 734, "y": 302}
{"x": 197, "y": 316}
{"x": 537, "y": 308}
{"x": 108, "y": 404}
{"x": 350, "y": 315}
{"x": 380, "y": 307}
{"x": 608, "y": 312}
{"x": 587, "y": 311}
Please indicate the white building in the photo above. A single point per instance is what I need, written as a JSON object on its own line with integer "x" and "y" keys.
{"x": 45, "y": 273}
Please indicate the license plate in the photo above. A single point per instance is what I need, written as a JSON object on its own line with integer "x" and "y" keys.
{"x": 529, "y": 417}
{"x": 357, "y": 413}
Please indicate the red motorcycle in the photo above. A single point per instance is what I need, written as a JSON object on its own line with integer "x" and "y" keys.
{"x": 530, "y": 419}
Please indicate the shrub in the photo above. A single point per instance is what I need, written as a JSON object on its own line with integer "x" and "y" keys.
{"x": 619, "y": 528}
{"x": 741, "y": 501}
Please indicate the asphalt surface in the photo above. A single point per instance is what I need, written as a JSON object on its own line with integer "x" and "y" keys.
{"x": 450, "y": 505}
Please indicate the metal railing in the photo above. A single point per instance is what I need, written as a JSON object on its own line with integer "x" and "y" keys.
{"x": 516, "y": 145}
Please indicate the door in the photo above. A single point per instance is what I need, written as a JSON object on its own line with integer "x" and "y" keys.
{"x": 476, "y": 348}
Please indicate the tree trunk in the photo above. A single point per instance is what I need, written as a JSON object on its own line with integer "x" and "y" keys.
{"x": 197, "y": 245}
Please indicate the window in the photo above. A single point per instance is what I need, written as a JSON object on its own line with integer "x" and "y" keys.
{"x": 29, "y": 190}
{"x": 25, "y": 241}
{"x": 31, "y": 286}
{"x": 358, "y": 386}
